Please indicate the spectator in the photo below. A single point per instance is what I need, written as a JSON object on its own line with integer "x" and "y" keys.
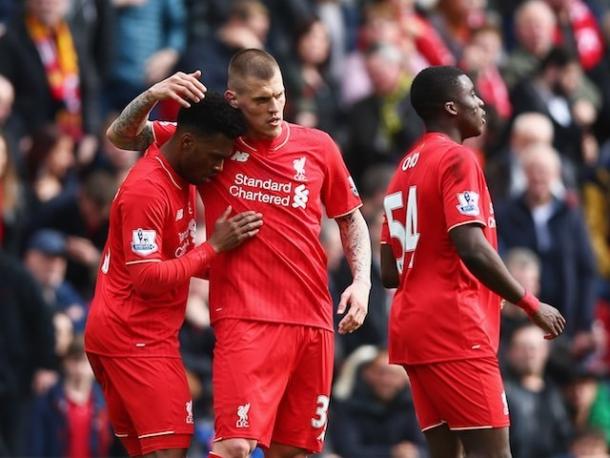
{"x": 383, "y": 125}
{"x": 83, "y": 218}
{"x": 524, "y": 265}
{"x": 149, "y": 37}
{"x": 71, "y": 419}
{"x": 505, "y": 172}
{"x": 27, "y": 360}
{"x": 245, "y": 27}
{"x": 588, "y": 398}
{"x": 313, "y": 101}
{"x": 589, "y": 444}
{"x": 373, "y": 410}
{"x": 53, "y": 77}
{"x": 45, "y": 258}
{"x": 12, "y": 202}
{"x": 554, "y": 229}
{"x": 50, "y": 166}
{"x": 540, "y": 426}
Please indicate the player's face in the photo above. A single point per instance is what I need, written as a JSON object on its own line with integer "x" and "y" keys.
{"x": 204, "y": 157}
{"x": 262, "y": 103}
{"x": 471, "y": 115}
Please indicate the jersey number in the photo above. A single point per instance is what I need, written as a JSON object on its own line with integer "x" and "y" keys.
{"x": 407, "y": 234}
{"x": 321, "y": 412}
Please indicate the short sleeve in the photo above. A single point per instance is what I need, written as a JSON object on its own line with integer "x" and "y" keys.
{"x": 143, "y": 216}
{"x": 339, "y": 193}
{"x": 162, "y": 131}
{"x": 463, "y": 188}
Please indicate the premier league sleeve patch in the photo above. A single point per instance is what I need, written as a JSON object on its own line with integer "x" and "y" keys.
{"x": 468, "y": 203}
{"x": 143, "y": 242}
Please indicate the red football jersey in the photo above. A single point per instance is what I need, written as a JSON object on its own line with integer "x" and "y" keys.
{"x": 151, "y": 220}
{"x": 280, "y": 275}
{"x": 440, "y": 311}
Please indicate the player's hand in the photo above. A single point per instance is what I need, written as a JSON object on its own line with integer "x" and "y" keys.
{"x": 184, "y": 88}
{"x": 232, "y": 232}
{"x": 549, "y": 320}
{"x": 357, "y": 297}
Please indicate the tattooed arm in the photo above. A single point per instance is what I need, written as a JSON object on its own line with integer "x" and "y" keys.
{"x": 357, "y": 248}
{"x": 132, "y": 130}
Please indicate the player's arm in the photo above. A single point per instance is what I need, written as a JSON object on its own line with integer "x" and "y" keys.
{"x": 229, "y": 233}
{"x": 132, "y": 130}
{"x": 485, "y": 264}
{"x": 389, "y": 271}
{"x": 357, "y": 249}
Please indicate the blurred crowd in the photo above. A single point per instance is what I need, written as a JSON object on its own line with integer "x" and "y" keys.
{"x": 67, "y": 67}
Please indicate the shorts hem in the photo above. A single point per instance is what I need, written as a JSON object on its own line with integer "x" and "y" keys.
{"x": 467, "y": 428}
{"x": 301, "y": 445}
{"x": 232, "y": 436}
{"x": 436, "y": 425}
{"x": 170, "y": 441}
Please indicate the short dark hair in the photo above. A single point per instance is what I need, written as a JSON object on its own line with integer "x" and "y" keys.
{"x": 432, "y": 88}
{"x": 251, "y": 62}
{"x": 212, "y": 115}
{"x": 557, "y": 57}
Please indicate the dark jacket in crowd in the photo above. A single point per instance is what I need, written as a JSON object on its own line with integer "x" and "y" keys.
{"x": 48, "y": 433}
{"x": 568, "y": 267}
{"x": 363, "y": 427}
{"x": 34, "y": 105}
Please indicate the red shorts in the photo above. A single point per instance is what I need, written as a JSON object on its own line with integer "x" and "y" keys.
{"x": 272, "y": 382}
{"x": 149, "y": 402}
{"x": 464, "y": 394}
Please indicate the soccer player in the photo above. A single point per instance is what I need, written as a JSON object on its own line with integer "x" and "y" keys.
{"x": 439, "y": 249}
{"x": 142, "y": 285}
{"x": 269, "y": 300}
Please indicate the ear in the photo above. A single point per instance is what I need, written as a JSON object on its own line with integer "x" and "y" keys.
{"x": 187, "y": 142}
{"x": 450, "y": 108}
{"x": 231, "y": 98}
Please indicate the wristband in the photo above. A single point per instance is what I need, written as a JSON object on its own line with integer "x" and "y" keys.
{"x": 529, "y": 303}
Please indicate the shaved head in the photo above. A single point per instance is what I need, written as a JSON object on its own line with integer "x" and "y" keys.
{"x": 250, "y": 63}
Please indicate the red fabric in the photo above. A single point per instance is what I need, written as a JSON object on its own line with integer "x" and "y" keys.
{"x": 289, "y": 373}
{"x": 587, "y": 34}
{"x": 148, "y": 399}
{"x": 79, "y": 418}
{"x": 290, "y": 180}
{"x": 429, "y": 43}
{"x": 440, "y": 311}
{"x": 494, "y": 92}
{"x": 466, "y": 394}
{"x": 155, "y": 277}
{"x": 152, "y": 221}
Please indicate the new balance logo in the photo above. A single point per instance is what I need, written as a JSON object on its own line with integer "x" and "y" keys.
{"x": 301, "y": 196}
{"x": 240, "y": 156}
{"x": 242, "y": 413}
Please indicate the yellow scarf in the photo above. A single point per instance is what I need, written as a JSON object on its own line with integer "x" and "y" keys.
{"x": 58, "y": 54}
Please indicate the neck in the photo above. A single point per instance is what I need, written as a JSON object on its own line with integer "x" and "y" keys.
{"x": 259, "y": 136}
{"x": 78, "y": 390}
{"x": 538, "y": 201}
{"x": 533, "y": 382}
{"x": 446, "y": 128}
{"x": 169, "y": 152}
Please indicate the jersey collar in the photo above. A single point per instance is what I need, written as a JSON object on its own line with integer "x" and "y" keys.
{"x": 268, "y": 145}
{"x": 176, "y": 180}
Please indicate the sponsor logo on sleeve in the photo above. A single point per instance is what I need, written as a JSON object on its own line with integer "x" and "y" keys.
{"x": 468, "y": 203}
{"x": 143, "y": 242}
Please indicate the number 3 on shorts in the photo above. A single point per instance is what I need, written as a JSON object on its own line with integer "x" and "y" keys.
{"x": 321, "y": 412}
{"x": 406, "y": 234}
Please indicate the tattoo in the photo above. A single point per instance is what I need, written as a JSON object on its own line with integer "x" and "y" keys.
{"x": 356, "y": 245}
{"x": 131, "y": 130}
